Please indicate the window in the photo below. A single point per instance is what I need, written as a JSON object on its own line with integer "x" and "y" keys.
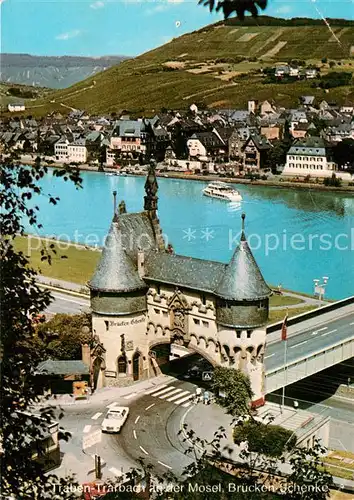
{"x": 249, "y": 332}
{"x": 238, "y": 333}
{"x": 107, "y": 325}
{"x": 157, "y": 311}
{"x": 206, "y": 324}
{"x": 165, "y": 314}
{"x": 158, "y": 289}
{"x": 203, "y": 298}
{"x": 196, "y": 321}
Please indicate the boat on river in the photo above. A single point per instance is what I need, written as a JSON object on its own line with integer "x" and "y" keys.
{"x": 222, "y": 191}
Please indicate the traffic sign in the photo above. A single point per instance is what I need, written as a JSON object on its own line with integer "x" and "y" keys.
{"x": 206, "y": 376}
{"x": 91, "y": 439}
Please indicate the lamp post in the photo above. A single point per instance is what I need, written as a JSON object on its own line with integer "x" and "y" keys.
{"x": 320, "y": 288}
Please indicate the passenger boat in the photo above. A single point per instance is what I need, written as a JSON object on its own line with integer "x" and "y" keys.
{"x": 222, "y": 191}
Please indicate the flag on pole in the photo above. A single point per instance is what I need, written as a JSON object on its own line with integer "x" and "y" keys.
{"x": 284, "y": 328}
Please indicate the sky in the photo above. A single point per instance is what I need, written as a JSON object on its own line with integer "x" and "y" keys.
{"x": 123, "y": 27}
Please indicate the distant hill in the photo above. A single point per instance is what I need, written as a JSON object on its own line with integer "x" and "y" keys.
{"x": 50, "y": 71}
{"x": 219, "y": 65}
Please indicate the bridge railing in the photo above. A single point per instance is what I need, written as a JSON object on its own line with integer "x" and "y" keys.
{"x": 312, "y": 314}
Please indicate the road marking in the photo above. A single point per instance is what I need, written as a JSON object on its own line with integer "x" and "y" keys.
{"x": 297, "y": 345}
{"x": 87, "y": 428}
{"x": 170, "y": 393}
{"x": 179, "y": 401}
{"x": 162, "y": 392}
{"x": 161, "y": 463}
{"x": 111, "y": 404}
{"x": 150, "y": 391}
{"x": 137, "y": 419}
{"x": 320, "y": 330}
{"x": 116, "y": 472}
{"x": 178, "y": 396}
{"x": 96, "y": 415}
{"x": 142, "y": 449}
{"x": 134, "y": 434}
{"x": 270, "y": 355}
{"x": 328, "y": 333}
{"x": 148, "y": 407}
{"x": 130, "y": 395}
{"x": 185, "y": 405}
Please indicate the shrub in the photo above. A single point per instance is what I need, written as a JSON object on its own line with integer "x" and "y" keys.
{"x": 333, "y": 181}
{"x": 267, "y": 439}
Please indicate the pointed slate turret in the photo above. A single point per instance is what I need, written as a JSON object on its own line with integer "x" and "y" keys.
{"x": 242, "y": 278}
{"x": 116, "y": 271}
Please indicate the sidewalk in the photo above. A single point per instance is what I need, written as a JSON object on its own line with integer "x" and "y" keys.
{"x": 101, "y": 396}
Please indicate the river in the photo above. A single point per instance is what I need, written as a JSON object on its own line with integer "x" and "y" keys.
{"x": 296, "y": 235}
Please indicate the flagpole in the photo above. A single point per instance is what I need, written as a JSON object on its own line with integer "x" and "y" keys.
{"x": 285, "y": 361}
{"x": 285, "y": 374}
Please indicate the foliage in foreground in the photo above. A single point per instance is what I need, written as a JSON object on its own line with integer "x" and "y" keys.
{"x": 21, "y": 299}
{"x": 268, "y": 439}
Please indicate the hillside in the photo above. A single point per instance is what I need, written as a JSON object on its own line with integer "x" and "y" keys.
{"x": 11, "y": 93}
{"x": 50, "y": 71}
{"x": 219, "y": 65}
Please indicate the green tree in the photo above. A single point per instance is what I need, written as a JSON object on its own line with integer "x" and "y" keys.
{"x": 343, "y": 153}
{"x": 64, "y": 334}
{"x": 233, "y": 390}
{"x": 267, "y": 439}
{"x": 309, "y": 479}
{"x": 21, "y": 298}
{"x": 237, "y": 6}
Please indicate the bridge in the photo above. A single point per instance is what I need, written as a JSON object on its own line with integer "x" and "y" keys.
{"x": 317, "y": 340}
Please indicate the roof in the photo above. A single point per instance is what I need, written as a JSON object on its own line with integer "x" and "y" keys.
{"x": 314, "y": 146}
{"x": 188, "y": 272}
{"x": 242, "y": 279}
{"x": 239, "y": 280}
{"x": 259, "y": 141}
{"x": 129, "y": 128}
{"x": 116, "y": 270}
{"x": 62, "y": 367}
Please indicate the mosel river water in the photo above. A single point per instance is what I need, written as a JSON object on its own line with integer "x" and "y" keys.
{"x": 296, "y": 235}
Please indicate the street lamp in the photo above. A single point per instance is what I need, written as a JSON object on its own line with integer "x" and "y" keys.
{"x": 320, "y": 288}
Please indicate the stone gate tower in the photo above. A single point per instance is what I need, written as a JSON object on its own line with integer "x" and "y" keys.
{"x": 144, "y": 297}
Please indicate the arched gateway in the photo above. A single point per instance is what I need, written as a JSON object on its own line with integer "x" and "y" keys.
{"x": 144, "y": 296}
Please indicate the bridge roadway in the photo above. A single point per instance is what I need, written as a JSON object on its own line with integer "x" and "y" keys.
{"x": 318, "y": 346}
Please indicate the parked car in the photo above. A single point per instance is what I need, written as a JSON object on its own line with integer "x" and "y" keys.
{"x": 115, "y": 419}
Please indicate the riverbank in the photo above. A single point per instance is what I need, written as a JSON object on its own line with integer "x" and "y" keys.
{"x": 275, "y": 181}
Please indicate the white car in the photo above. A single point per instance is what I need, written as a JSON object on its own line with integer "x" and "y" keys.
{"x": 115, "y": 419}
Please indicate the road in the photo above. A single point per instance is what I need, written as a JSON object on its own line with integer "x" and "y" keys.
{"x": 151, "y": 431}
{"x": 314, "y": 338}
{"x": 64, "y": 303}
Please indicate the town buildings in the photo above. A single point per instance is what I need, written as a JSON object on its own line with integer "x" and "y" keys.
{"x": 225, "y": 141}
